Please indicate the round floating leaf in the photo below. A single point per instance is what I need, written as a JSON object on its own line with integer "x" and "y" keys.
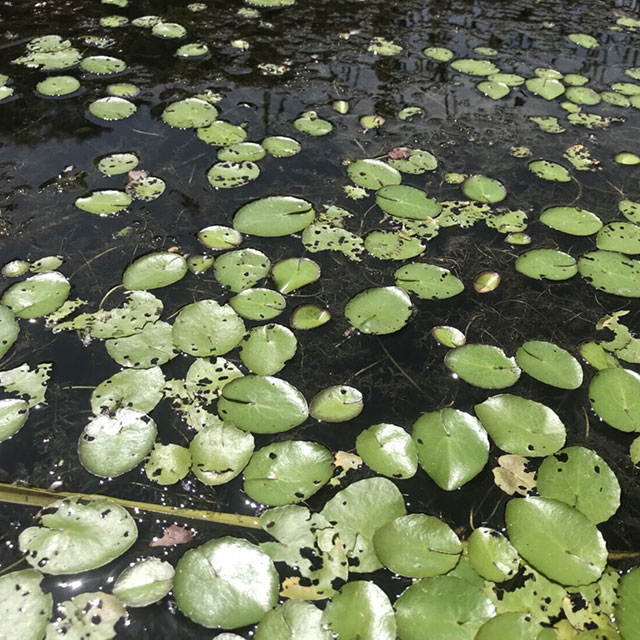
{"x": 112, "y": 445}
{"x": 548, "y": 264}
{"x": 168, "y": 30}
{"x": 373, "y": 174}
{"x": 144, "y": 582}
{"x": 230, "y": 175}
{"x": 403, "y": 201}
{"x": 274, "y": 216}
{"x": 452, "y": 446}
{"x": 358, "y": 512}
{"x": 103, "y": 65}
{"x": 616, "y": 99}
{"x": 337, "y": 403}
{"x": 115, "y": 164}
{"x": 78, "y": 534}
{"x": 13, "y": 414}
{"x": 583, "y": 95}
{"x": 360, "y": 610}
{"x": 112, "y": 108}
{"x": 220, "y": 237}
{"x": 491, "y": 555}
{"x": 225, "y": 583}
{"x": 492, "y": 89}
{"x": 241, "y": 269}
{"x": 167, "y": 463}
{"x": 123, "y": 90}
{"x": 484, "y": 189}
{"x": 281, "y": 146}
{"x": 15, "y": 268}
{"x": 583, "y": 40}
{"x": 146, "y": 188}
{"x": 550, "y": 364}
{"x": 615, "y": 396}
{"x": 48, "y": 263}
{"x": 258, "y": 304}
{"x": 192, "y": 50}
{"x": 627, "y": 610}
{"x": 388, "y": 450}
{"x": 221, "y": 133}
{"x": 104, "y": 202}
{"x": 150, "y": 347}
{"x": 619, "y": 236}
{"x": 630, "y": 210}
{"x": 513, "y": 625}
{"x": 262, "y": 404}
{"x": 582, "y": 479}
{"x": 611, "y": 272}
{"x": 220, "y": 452}
{"x": 510, "y": 79}
{"x": 448, "y": 336}
{"x": 412, "y": 161}
{"x": 267, "y": 348}
{"x": 154, "y": 270}
{"x": 37, "y": 296}
{"x": 486, "y": 281}
{"x": 309, "y": 316}
{"x": 442, "y": 607}
{"x": 206, "y": 328}
{"x": 483, "y": 366}
{"x": 139, "y": 389}
{"x": 88, "y": 615}
{"x": 24, "y": 608}
{"x": 287, "y": 472}
{"x": 9, "y": 329}
{"x": 189, "y": 113}
{"x": 548, "y": 170}
{"x": 571, "y": 220}
{"x": 393, "y": 245}
{"x": 556, "y": 539}
{"x": 293, "y": 618}
{"x": 291, "y": 274}
{"x": 379, "y": 310}
{"x": 310, "y": 123}
{"x": 417, "y": 546}
{"x": 56, "y": 86}
{"x": 547, "y": 88}
{"x": 441, "y": 54}
{"x": 474, "y": 67}
{"x": 242, "y": 152}
{"x": 521, "y": 426}
{"x": 626, "y": 158}
{"x": 428, "y": 281}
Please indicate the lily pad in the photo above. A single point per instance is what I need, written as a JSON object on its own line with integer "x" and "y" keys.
{"x": 474, "y": 67}
{"x": 145, "y": 187}
{"x": 153, "y": 346}
{"x": 25, "y": 607}
{"x": 492, "y": 555}
{"x": 13, "y": 414}
{"x": 220, "y": 133}
{"x": 521, "y": 426}
{"x": 548, "y": 170}
{"x": 115, "y": 164}
{"x": 452, "y": 446}
{"x": 267, "y": 348}
{"x": 189, "y": 113}
{"x": 494, "y": 90}
{"x": 611, "y": 272}
{"x": 225, "y": 583}
{"x": 291, "y": 274}
{"x": 428, "y": 281}
{"x": 309, "y": 316}
{"x": 274, "y": 216}
{"x": 167, "y": 464}
{"x": 112, "y": 108}
{"x": 37, "y": 296}
{"x": 547, "y": 264}
{"x": 484, "y": 189}
{"x": 337, "y": 403}
{"x": 168, "y": 30}
{"x": 440, "y": 54}
{"x": 550, "y": 364}
{"x": 241, "y": 269}
{"x": 623, "y": 237}
{"x": 448, "y": 336}
{"x": 388, "y": 450}
{"x": 373, "y": 174}
{"x": 379, "y": 310}
{"x": 572, "y": 220}
{"x": 393, "y": 245}
{"x": 230, "y": 175}
{"x": 154, "y": 270}
{"x": 614, "y": 395}
{"x": 144, "y": 582}
{"x": 281, "y": 146}
{"x": 258, "y": 304}
{"x": 104, "y": 202}
{"x": 58, "y": 86}
{"x": 483, "y": 366}
{"x": 220, "y": 237}
{"x": 403, "y": 201}
{"x": 413, "y": 161}
{"x": 583, "y": 40}
{"x": 547, "y": 88}
{"x": 312, "y": 124}
{"x": 139, "y": 389}
{"x": 103, "y": 65}
{"x": 242, "y": 152}
{"x": 295, "y": 618}
{"x": 9, "y": 329}
{"x": 626, "y": 611}
{"x": 78, "y": 534}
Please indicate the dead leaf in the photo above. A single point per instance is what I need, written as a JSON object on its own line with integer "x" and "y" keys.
{"x": 345, "y": 461}
{"x": 512, "y": 476}
{"x": 173, "y": 534}
{"x": 400, "y": 153}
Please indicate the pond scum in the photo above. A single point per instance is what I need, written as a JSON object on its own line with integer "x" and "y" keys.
{"x": 319, "y": 321}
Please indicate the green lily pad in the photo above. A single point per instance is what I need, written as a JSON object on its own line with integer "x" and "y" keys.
{"x": 483, "y": 366}
{"x": 486, "y": 281}
{"x": 572, "y": 220}
{"x": 521, "y": 426}
{"x": 373, "y": 174}
{"x": 626, "y": 88}
{"x": 57, "y": 86}
{"x": 154, "y": 270}
{"x": 150, "y": 347}
{"x": 287, "y": 472}
{"x": 112, "y": 445}
{"x": 452, "y": 446}
{"x": 492, "y": 555}
{"x": 403, "y": 201}
{"x": 623, "y": 237}
{"x": 13, "y": 414}
{"x": 78, "y": 534}
{"x": 15, "y": 268}
{"x": 242, "y": 152}
{"x": 295, "y": 618}
{"x": 383, "y": 47}
{"x": 167, "y": 464}
{"x": 414, "y": 161}
{"x": 442, "y": 607}
{"x": 440, "y": 54}
{"x": 547, "y": 88}
{"x": 168, "y": 30}
{"x": 583, "y": 95}
{"x": 428, "y": 281}
{"x": 103, "y": 65}
{"x": 630, "y": 210}
{"x": 626, "y": 158}
{"x": 611, "y": 272}
{"x": 115, "y": 164}
{"x": 267, "y": 348}
{"x": 393, "y": 245}
{"x": 281, "y": 146}
{"x": 9, "y": 329}
{"x": 291, "y": 274}
{"x": 309, "y": 316}
{"x": 220, "y": 452}
{"x": 556, "y": 539}
{"x": 30, "y": 384}
{"x": 262, "y": 404}
{"x": 492, "y": 89}
{"x": 312, "y": 124}
{"x": 550, "y": 364}
{"x": 225, "y": 583}
{"x": 358, "y": 512}
{"x": 258, "y": 304}
{"x": 510, "y": 79}
{"x": 360, "y": 610}
{"x": 582, "y": 479}
{"x": 448, "y": 336}
{"x": 583, "y": 40}
{"x": 112, "y": 108}
{"x": 230, "y": 175}
{"x": 220, "y": 133}
{"x": 379, "y": 310}
{"x": 123, "y": 90}
{"x": 113, "y": 21}
{"x": 144, "y": 582}
{"x": 337, "y": 403}
{"x": 548, "y": 170}
{"x": 627, "y": 607}
{"x": 513, "y": 624}
{"x": 145, "y": 187}
{"x": 189, "y": 113}
{"x": 614, "y": 395}
{"x": 104, "y": 202}
{"x": 220, "y": 237}
{"x": 274, "y": 216}
{"x": 139, "y": 389}
{"x": 206, "y": 328}
{"x": 25, "y": 606}
{"x": 484, "y": 189}
{"x": 417, "y": 546}
{"x": 547, "y": 264}
{"x": 192, "y": 50}
{"x": 474, "y": 67}
{"x": 37, "y": 296}
{"x": 241, "y": 269}
{"x": 388, "y": 450}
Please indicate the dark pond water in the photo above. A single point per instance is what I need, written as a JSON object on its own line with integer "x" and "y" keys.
{"x": 401, "y": 375}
